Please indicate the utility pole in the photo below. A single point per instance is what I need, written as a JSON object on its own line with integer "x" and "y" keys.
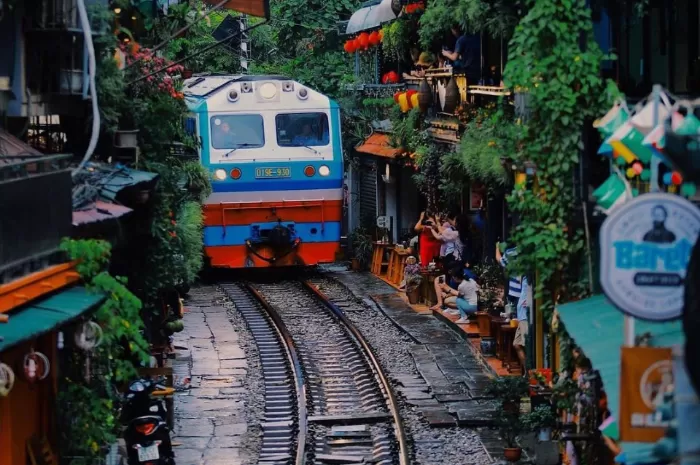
{"x": 245, "y": 44}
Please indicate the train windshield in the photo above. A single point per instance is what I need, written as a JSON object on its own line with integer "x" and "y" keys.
{"x": 237, "y": 131}
{"x": 302, "y": 129}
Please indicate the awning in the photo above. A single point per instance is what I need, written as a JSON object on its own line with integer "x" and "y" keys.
{"x": 46, "y": 315}
{"x": 259, "y": 8}
{"x": 371, "y": 15}
{"x": 597, "y": 327}
{"x": 378, "y": 145}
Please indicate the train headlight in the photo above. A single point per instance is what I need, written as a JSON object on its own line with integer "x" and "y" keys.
{"x": 268, "y": 90}
{"x": 323, "y": 170}
{"x": 220, "y": 175}
{"x": 303, "y": 94}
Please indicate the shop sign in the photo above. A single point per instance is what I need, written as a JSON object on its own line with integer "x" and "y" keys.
{"x": 646, "y": 374}
{"x": 645, "y": 246}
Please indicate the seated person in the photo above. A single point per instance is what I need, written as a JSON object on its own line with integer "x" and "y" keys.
{"x": 306, "y": 137}
{"x": 426, "y": 60}
{"x": 224, "y": 136}
{"x": 466, "y": 54}
{"x": 446, "y": 287}
{"x": 467, "y": 299}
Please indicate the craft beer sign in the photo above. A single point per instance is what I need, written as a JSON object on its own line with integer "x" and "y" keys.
{"x": 645, "y": 247}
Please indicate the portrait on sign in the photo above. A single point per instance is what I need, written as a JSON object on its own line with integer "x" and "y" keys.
{"x": 645, "y": 247}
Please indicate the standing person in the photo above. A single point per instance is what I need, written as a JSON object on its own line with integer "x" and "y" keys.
{"x": 428, "y": 246}
{"x": 520, "y": 339}
{"x": 514, "y": 281}
{"x": 466, "y": 55}
{"x": 454, "y": 236}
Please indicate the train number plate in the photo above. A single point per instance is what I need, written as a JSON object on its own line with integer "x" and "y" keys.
{"x": 271, "y": 173}
{"x": 148, "y": 453}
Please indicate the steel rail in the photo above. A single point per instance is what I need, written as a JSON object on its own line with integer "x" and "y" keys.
{"x": 295, "y": 362}
{"x": 392, "y": 403}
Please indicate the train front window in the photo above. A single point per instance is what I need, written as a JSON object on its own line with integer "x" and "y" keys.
{"x": 302, "y": 129}
{"x": 237, "y": 131}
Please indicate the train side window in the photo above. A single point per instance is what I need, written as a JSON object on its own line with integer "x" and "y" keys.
{"x": 302, "y": 129}
{"x": 237, "y": 131}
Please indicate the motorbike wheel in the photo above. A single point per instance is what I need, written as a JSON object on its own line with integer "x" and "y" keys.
{"x": 691, "y": 317}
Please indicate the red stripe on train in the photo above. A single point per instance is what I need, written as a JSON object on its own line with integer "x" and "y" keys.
{"x": 235, "y": 256}
{"x": 299, "y": 211}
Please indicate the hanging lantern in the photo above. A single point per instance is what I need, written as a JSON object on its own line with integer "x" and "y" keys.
{"x": 396, "y": 96}
{"x": 414, "y": 100}
{"x": 381, "y": 35}
{"x": 363, "y": 41}
{"x": 374, "y": 39}
{"x": 36, "y": 366}
{"x": 7, "y": 380}
{"x": 88, "y": 336}
{"x": 425, "y": 95}
{"x": 349, "y": 46}
{"x": 452, "y": 97}
{"x": 390, "y": 78}
{"x": 404, "y": 102}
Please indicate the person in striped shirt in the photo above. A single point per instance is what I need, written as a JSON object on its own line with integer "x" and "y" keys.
{"x": 515, "y": 282}
{"x": 517, "y": 297}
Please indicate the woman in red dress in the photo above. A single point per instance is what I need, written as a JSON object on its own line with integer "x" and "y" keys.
{"x": 428, "y": 246}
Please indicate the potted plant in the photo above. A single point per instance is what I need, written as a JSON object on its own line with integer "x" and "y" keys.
{"x": 509, "y": 390}
{"x": 413, "y": 279}
{"x": 361, "y": 248}
{"x": 540, "y": 420}
{"x": 509, "y": 427}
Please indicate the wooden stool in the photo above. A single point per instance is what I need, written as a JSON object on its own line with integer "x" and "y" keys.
{"x": 378, "y": 257}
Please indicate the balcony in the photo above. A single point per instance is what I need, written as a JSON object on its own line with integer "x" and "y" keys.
{"x": 35, "y": 208}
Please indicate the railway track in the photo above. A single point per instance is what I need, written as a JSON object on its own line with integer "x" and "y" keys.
{"x": 327, "y": 400}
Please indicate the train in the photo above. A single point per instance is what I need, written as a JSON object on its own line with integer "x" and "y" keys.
{"x": 273, "y": 149}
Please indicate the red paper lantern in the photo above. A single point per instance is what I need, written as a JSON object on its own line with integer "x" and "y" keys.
{"x": 349, "y": 46}
{"x": 363, "y": 41}
{"x": 396, "y": 96}
{"x": 374, "y": 39}
{"x": 393, "y": 77}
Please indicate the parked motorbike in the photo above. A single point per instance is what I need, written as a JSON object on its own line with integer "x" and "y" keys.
{"x": 147, "y": 435}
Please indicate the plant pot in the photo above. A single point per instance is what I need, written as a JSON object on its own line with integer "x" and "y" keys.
{"x": 512, "y": 454}
{"x": 355, "y": 265}
{"x": 413, "y": 295}
{"x": 488, "y": 346}
{"x": 511, "y": 407}
{"x": 544, "y": 434}
{"x": 126, "y": 139}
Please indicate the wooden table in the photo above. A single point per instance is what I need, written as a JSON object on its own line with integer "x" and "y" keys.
{"x": 397, "y": 262}
{"x": 378, "y": 257}
{"x": 483, "y": 319}
{"x": 508, "y": 356}
{"x": 427, "y": 286}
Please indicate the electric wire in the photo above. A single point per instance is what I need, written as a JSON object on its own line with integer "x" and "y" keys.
{"x": 92, "y": 69}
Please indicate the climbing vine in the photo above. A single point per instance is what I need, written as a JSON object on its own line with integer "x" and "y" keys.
{"x": 87, "y": 403}
{"x": 555, "y": 60}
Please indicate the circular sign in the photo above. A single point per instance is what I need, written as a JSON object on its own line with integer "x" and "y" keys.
{"x": 655, "y": 382}
{"x": 645, "y": 247}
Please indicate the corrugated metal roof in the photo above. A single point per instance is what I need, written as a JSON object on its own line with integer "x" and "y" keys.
{"x": 100, "y": 211}
{"x": 13, "y": 150}
{"x": 378, "y": 145}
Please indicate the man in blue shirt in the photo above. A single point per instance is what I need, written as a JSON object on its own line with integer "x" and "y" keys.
{"x": 466, "y": 55}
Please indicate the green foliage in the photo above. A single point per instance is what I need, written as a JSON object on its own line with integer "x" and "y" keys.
{"x": 189, "y": 229}
{"x": 87, "y": 407}
{"x": 395, "y": 41}
{"x": 541, "y": 417}
{"x": 487, "y": 139}
{"x": 197, "y": 179}
{"x": 361, "y": 242}
{"x": 561, "y": 76}
{"x": 497, "y": 18}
